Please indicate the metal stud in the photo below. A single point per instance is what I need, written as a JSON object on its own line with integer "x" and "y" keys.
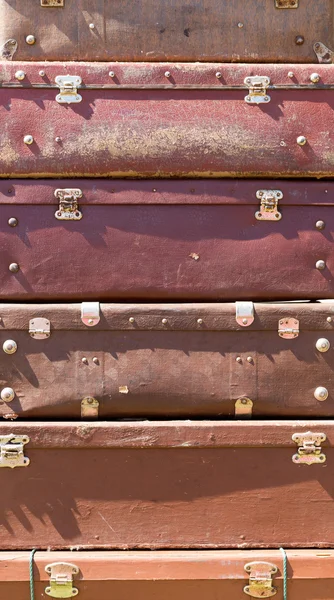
{"x": 7, "y": 394}
{"x": 91, "y": 26}
{"x": 299, "y": 40}
{"x": 320, "y": 264}
{"x": 20, "y": 75}
{"x": 9, "y": 347}
{"x": 321, "y": 393}
{"x": 218, "y": 75}
{"x": 14, "y": 268}
{"x": 96, "y": 360}
{"x": 28, "y": 139}
{"x": 111, "y": 74}
{"x": 238, "y": 359}
{"x": 12, "y": 222}
{"x": 131, "y": 320}
{"x": 249, "y": 359}
{"x": 240, "y": 25}
{"x": 329, "y": 319}
{"x": 315, "y": 77}
{"x": 167, "y": 73}
{"x": 291, "y": 74}
{"x": 323, "y": 345}
{"x": 41, "y": 73}
{"x": 164, "y": 321}
{"x": 31, "y": 40}
{"x": 199, "y": 321}
{"x": 301, "y": 140}
{"x": 84, "y": 360}
{"x": 58, "y": 139}
{"x": 320, "y": 225}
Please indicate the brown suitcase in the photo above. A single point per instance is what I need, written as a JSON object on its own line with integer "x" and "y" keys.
{"x": 177, "y": 484}
{"x": 237, "y": 574}
{"x": 201, "y": 30}
{"x": 166, "y": 120}
{"x": 166, "y": 240}
{"x": 166, "y": 360}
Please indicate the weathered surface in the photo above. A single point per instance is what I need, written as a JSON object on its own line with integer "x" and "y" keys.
{"x": 164, "y": 240}
{"x": 177, "y": 484}
{"x": 204, "y": 30}
{"x": 166, "y": 131}
{"x": 143, "y": 367}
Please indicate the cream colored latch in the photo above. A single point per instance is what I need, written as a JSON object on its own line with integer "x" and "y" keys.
{"x": 61, "y": 580}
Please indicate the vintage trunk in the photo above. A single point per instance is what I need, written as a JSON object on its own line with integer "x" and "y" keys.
{"x": 176, "y": 484}
{"x": 201, "y": 30}
{"x": 166, "y": 120}
{"x": 166, "y": 360}
{"x": 166, "y": 240}
{"x": 182, "y": 575}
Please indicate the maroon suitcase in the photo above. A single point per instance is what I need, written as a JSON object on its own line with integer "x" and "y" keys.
{"x": 166, "y": 240}
{"x": 166, "y": 360}
{"x": 236, "y": 574}
{"x": 166, "y": 120}
{"x": 176, "y": 484}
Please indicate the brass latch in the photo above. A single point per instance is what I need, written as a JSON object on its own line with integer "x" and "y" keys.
{"x": 56, "y": 3}
{"x": 257, "y": 89}
{"x": 12, "y": 451}
{"x": 39, "y": 328}
{"x": 244, "y": 313}
{"x": 68, "y": 204}
{"x": 288, "y": 328}
{"x": 269, "y": 205}
{"x": 68, "y": 85}
{"x": 61, "y": 580}
{"x": 286, "y": 3}
{"x": 243, "y": 408}
{"x": 260, "y": 579}
{"x": 90, "y": 313}
{"x": 309, "y": 451}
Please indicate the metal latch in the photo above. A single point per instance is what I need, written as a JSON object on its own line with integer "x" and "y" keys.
{"x": 61, "y": 580}
{"x": 286, "y": 3}
{"x": 309, "y": 451}
{"x": 244, "y": 313}
{"x": 90, "y": 313}
{"x": 324, "y": 54}
{"x": 260, "y": 579}
{"x": 12, "y": 452}
{"x": 288, "y": 328}
{"x": 269, "y": 205}
{"x": 89, "y": 408}
{"x": 56, "y": 3}
{"x": 68, "y": 85}
{"x": 68, "y": 204}
{"x": 257, "y": 89}
{"x": 39, "y": 328}
{"x": 243, "y": 407}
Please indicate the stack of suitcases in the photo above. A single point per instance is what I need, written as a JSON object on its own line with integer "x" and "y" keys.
{"x": 167, "y": 328}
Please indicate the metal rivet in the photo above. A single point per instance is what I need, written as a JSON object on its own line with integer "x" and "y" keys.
{"x": 329, "y": 319}
{"x": 199, "y": 321}
{"x": 239, "y": 359}
{"x": 90, "y": 321}
{"x": 323, "y": 345}
{"x": 30, "y": 39}
{"x": 315, "y": 77}
{"x": 91, "y": 26}
{"x": 58, "y": 139}
{"x": 301, "y": 140}
{"x": 28, "y": 139}
{"x": 321, "y": 394}
{"x": 249, "y": 359}
{"x": 299, "y": 40}
{"x": 14, "y": 267}
{"x": 154, "y": 190}
{"x": 84, "y": 360}
{"x": 12, "y": 222}
{"x": 20, "y": 75}
{"x": 42, "y": 73}
{"x": 111, "y": 74}
{"x": 245, "y": 321}
{"x": 320, "y": 224}
{"x": 291, "y": 74}
{"x": 96, "y": 360}
{"x": 218, "y": 75}
{"x": 132, "y": 320}
{"x": 9, "y": 346}
{"x": 7, "y": 394}
{"x": 240, "y": 25}
{"x": 167, "y": 73}
{"x": 320, "y": 264}
{"x": 164, "y": 321}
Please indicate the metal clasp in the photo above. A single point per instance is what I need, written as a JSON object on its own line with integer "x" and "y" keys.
{"x": 12, "y": 452}
{"x": 39, "y": 328}
{"x": 53, "y": 3}
{"x": 309, "y": 451}
{"x": 90, "y": 313}
{"x": 61, "y": 580}
{"x": 244, "y": 313}
{"x": 260, "y": 579}
{"x": 288, "y": 328}
{"x": 269, "y": 205}
{"x": 68, "y": 204}
{"x": 257, "y": 89}
{"x": 68, "y": 85}
{"x": 243, "y": 407}
{"x": 286, "y": 3}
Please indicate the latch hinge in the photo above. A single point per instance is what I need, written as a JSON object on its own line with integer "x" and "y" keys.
{"x": 286, "y": 3}
{"x": 269, "y": 205}
{"x": 257, "y": 89}
{"x": 244, "y": 313}
{"x": 288, "y": 328}
{"x": 53, "y": 3}
{"x": 309, "y": 451}
{"x": 68, "y": 204}
{"x": 90, "y": 313}
{"x": 12, "y": 451}
{"x": 39, "y": 328}
{"x": 260, "y": 579}
{"x": 61, "y": 580}
{"x": 68, "y": 85}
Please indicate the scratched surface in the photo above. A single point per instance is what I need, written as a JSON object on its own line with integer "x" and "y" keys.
{"x": 203, "y": 30}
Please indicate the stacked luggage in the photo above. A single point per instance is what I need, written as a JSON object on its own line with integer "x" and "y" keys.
{"x": 167, "y": 309}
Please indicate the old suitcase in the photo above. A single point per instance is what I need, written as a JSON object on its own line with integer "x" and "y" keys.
{"x": 61, "y": 361}
{"x": 236, "y": 574}
{"x": 167, "y": 484}
{"x": 166, "y": 120}
{"x": 201, "y": 30}
{"x": 166, "y": 240}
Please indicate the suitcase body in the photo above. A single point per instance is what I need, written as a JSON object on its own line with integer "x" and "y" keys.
{"x": 166, "y": 120}
{"x": 167, "y": 361}
{"x": 174, "y": 484}
{"x": 261, "y": 30}
{"x": 165, "y": 240}
{"x": 185, "y": 575}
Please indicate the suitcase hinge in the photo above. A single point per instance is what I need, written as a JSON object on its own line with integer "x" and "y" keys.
{"x": 269, "y": 205}
{"x": 68, "y": 85}
{"x": 68, "y": 204}
{"x": 53, "y": 3}
{"x": 12, "y": 451}
{"x": 39, "y": 328}
{"x": 288, "y": 328}
{"x": 90, "y": 313}
{"x": 257, "y": 89}
{"x": 260, "y": 579}
{"x": 287, "y": 3}
{"x": 309, "y": 451}
{"x": 244, "y": 313}
{"x": 61, "y": 580}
